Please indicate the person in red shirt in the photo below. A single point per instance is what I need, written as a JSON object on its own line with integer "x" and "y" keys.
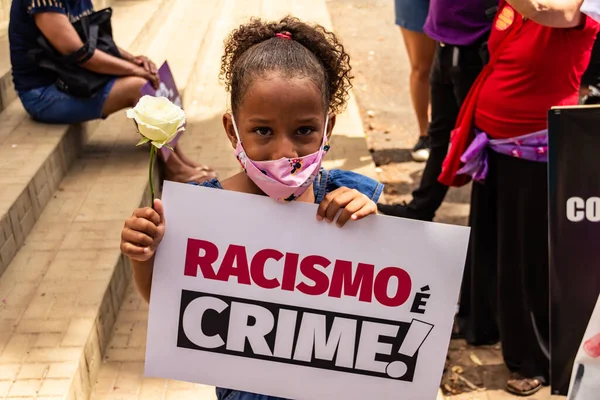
{"x": 500, "y": 142}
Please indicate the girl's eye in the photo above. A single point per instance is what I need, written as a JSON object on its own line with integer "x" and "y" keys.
{"x": 305, "y": 130}
{"x": 262, "y": 131}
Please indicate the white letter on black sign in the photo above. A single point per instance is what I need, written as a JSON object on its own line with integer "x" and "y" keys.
{"x": 592, "y": 209}
{"x": 575, "y": 209}
{"x": 284, "y": 338}
{"x": 192, "y": 321}
{"x": 313, "y": 335}
{"x": 239, "y": 329}
{"x": 369, "y": 346}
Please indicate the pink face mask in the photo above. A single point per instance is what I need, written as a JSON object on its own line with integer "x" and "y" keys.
{"x": 284, "y": 179}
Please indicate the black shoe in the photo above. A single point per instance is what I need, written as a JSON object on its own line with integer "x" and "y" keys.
{"x": 422, "y": 149}
{"x": 403, "y": 211}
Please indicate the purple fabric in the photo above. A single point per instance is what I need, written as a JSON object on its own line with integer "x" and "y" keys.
{"x": 457, "y": 22}
{"x": 167, "y": 89}
{"x": 530, "y": 147}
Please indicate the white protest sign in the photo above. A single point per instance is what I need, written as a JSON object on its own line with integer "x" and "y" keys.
{"x": 585, "y": 381}
{"x": 255, "y": 295}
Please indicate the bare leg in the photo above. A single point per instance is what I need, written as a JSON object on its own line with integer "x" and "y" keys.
{"x": 420, "y": 49}
{"x": 125, "y": 94}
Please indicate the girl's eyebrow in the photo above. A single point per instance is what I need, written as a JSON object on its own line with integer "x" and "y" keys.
{"x": 259, "y": 120}
{"x": 308, "y": 119}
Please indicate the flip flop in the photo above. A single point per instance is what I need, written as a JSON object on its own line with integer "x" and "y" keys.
{"x": 521, "y": 382}
{"x": 206, "y": 169}
{"x": 201, "y": 177}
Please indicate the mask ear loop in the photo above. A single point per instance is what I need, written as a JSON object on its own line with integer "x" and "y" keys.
{"x": 325, "y": 140}
{"x": 237, "y": 134}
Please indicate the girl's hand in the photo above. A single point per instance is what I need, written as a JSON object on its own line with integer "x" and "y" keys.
{"x": 143, "y": 232}
{"x": 354, "y": 206}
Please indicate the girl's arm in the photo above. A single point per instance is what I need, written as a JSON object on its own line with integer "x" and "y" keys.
{"x": 62, "y": 35}
{"x": 142, "y": 276}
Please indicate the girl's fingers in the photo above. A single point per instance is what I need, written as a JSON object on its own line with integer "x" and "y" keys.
{"x": 369, "y": 208}
{"x": 160, "y": 211}
{"x": 142, "y": 225}
{"x": 138, "y": 238}
{"x": 324, "y": 205}
{"x": 149, "y": 214}
{"x": 351, "y": 209}
{"x": 338, "y": 202}
{"x": 135, "y": 252}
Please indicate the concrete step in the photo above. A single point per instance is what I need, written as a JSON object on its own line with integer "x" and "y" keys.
{"x": 59, "y": 314}
{"x": 121, "y": 374}
{"x": 35, "y": 157}
{"x": 7, "y": 89}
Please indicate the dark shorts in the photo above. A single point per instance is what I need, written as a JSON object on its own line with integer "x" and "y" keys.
{"x": 411, "y": 14}
{"x": 50, "y": 105}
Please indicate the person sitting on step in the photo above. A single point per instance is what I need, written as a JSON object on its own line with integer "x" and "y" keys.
{"x": 45, "y": 102}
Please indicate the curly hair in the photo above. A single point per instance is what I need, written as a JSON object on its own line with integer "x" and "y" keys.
{"x": 313, "y": 52}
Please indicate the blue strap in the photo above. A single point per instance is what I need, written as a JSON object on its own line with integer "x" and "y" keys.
{"x": 321, "y": 190}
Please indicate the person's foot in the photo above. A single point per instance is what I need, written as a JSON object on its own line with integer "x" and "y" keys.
{"x": 521, "y": 386}
{"x": 206, "y": 170}
{"x": 421, "y": 150}
{"x": 190, "y": 175}
{"x": 403, "y": 211}
{"x": 177, "y": 170}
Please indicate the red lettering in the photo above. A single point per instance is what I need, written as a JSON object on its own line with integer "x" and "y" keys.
{"x": 257, "y": 268}
{"x": 382, "y": 280}
{"x": 342, "y": 278}
{"x": 193, "y": 259}
{"x": 290, "y": 268}
{"x": 308, "y": 267}
{"x": 346, "y": 281}
{"x": 235, "y": 263}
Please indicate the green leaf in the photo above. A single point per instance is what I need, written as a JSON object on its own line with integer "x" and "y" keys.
{"x": 143, "y": 141}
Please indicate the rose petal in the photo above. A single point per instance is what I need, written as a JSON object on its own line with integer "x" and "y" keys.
{"x": 131, "y": 113}
{"x": 158, "y": 119}
{"x": 151, "y": 132}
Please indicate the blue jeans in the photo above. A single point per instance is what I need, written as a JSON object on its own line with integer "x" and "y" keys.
{"x": 228, "y": 394}
{"x": 411, "y": 14}
{"x": 50, "y": 105}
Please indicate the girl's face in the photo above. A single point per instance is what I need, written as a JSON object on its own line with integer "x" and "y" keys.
{"x": 280, "y": 118}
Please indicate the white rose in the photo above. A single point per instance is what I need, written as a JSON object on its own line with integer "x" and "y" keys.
{"x": 158, "y": 120}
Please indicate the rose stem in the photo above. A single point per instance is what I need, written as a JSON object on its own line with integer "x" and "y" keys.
{"x": 150, "y": 172}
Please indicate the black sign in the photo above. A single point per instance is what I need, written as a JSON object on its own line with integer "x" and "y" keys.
{"x": 574, "y": 207}
{"x": 300, "y": 336}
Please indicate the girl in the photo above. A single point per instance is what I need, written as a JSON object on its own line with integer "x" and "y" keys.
{"x": 287, "y": 81}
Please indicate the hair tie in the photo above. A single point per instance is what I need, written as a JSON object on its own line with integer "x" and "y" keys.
{"x": 284, "y": 35}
